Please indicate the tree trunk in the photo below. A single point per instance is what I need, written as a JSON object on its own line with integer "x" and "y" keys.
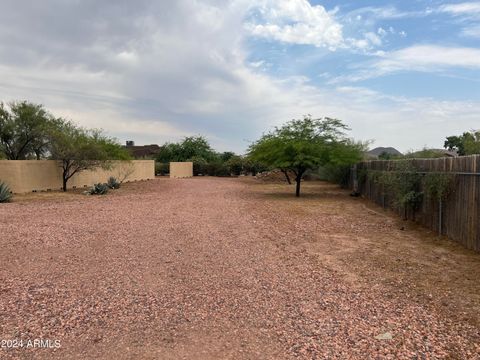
{"x": 65, "y": 175}
{"x": 298, "y": 179}
{"x": 285, "y": 172}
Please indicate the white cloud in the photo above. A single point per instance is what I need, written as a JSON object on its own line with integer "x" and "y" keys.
{"x": 157, "y": 71}
{"x": 472, "y": 31}
{"x": 465, "y": 8}
{"x": 373, "y": 38}
{"x": 298, "y": 22}
{"x": 425, "y": 58}
{"x": 384, "y": 13}
{"x": 381, "y": 31}
{"x": 429, "y": 57}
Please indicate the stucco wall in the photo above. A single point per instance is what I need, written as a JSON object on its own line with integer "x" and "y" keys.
{"x": 181, "y": 169}
{"x": 30, "y": 175}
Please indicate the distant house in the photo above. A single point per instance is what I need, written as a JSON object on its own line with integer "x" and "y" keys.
{"x": 447, "y": 153}
{"x": 142, "y": 151}
{"x": 375, "y": 153}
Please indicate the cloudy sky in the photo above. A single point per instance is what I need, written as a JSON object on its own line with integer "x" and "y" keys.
{"x": 402, "y": 73}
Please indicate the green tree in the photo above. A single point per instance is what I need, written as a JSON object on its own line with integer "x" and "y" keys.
{"x": 306, "y": 144}
{"x": 79, "y": 149}
{"x": 169, "y": 152}
{"x": 196, "y": 146}
{"x": 190, "y": 147}
{"x": 23, "y": 130}
{"x": 472, "y": 143}
{"x": 252, "y": 166}
{"x": 466, "y": 144}
{"x": 227, "y": 155}
{"x": 235, "y": 165}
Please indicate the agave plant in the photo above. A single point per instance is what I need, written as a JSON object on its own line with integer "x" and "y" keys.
{"x": 98, "y": 189}
{"x": 5, "y": 193}
{"x": 113, "y": 183}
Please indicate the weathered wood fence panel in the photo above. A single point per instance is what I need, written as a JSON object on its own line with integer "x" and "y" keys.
{"x": 460, "y": 212}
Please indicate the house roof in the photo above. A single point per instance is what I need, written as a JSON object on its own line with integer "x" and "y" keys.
{"x": 143, "y": 150}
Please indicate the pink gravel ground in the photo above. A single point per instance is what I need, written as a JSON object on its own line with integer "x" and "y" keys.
{"x": 231, "y": 269}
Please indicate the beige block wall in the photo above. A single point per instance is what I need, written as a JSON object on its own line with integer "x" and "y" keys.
{"x": 29, "y": 175}
{"x": 181, "y": 169}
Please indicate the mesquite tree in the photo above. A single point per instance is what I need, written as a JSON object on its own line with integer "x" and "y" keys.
{"x": 23, "y": 130}
{"x": 306, "y": 144}
{"x": 78, "y": 149}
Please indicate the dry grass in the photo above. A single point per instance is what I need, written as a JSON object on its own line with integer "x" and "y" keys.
{"x": 374, "y": 247}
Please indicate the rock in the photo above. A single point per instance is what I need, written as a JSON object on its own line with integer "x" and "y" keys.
{"x": 385, "y": 336}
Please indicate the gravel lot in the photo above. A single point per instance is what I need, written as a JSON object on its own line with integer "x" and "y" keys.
{"x": 230, "y": 269}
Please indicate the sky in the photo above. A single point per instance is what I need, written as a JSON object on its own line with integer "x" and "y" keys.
{"x": 400, "y": 73}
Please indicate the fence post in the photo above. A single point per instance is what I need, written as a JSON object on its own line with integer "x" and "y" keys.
{"x": 440, "y": 217}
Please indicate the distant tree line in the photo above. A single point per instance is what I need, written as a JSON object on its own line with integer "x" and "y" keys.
{"x": 28, "y": 131}
{"x": 466, "y": 144}
{"x": 206, "y": 161}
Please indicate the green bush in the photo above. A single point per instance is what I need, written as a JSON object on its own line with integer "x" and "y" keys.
{"x": 162, "y": 169}
{"x": 5, "y": 193}
{"x": 98, "y": 189}
{"x": 199, "y": 165}
{"x": 338, "y": 174}
{"x": 217, "y": 169}
{"x": 235, "y": 165}
{"x": 113, "y": 183}
{"x": 253, "y": 167}
{"x": 438, "y": 186}
{"x": 403, "y": 183}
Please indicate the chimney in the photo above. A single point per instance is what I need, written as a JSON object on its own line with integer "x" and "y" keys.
{"x": 130, "y": 143}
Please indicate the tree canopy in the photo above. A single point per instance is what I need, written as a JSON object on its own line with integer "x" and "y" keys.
{"x": 206, "y": 160}
{"x": 23, "y": 130}
{"x": 306, "y": 144}
{"x": 80, "y": 149}
{"x": 189, "y": 148}
{"x": 466, "y": 144}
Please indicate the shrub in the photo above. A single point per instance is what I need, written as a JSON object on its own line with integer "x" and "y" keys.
{"x": 5, "y": 193}
{"x": 402, "y": 183}
{"x": 235, "y": 165}
{"x": 98, "y": 189}
{"x": 113, "y": 183}
{"x": 199, "y": 165}
{"x": 338, "y": 174}
{"x": 162, "y": 169}
{"x": 253, "y": 167}
{"x": 217, "y": 169}
{"x": 438, "y": 186}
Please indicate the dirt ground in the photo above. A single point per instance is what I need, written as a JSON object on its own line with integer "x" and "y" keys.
{"x": 230, "y": 269}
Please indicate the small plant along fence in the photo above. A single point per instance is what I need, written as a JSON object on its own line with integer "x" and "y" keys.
{"x": 441, "y": 194}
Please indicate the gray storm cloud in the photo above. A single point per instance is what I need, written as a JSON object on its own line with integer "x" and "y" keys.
{"x": 155, "y": 71}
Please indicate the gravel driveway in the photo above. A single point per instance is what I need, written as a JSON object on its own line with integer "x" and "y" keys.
{"x": 207, "y": 268}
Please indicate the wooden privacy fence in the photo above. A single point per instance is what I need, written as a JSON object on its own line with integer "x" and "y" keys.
{"x": 456, "y": 216}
